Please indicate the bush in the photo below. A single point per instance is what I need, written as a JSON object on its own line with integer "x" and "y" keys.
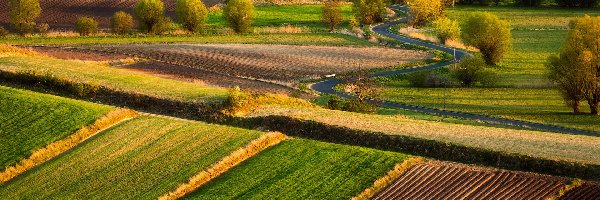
{"x": 424, "y": 12}
{"x": 335, "y": 103}
{"x": 529, "y": 2}
{"x": 472, "y": 70}
{"x": 489, "y": 34}
{"x": 163, "y": 26}
{"x": 356, "y": 105}
{"x": 354, "y": 24}
{"x": 121, "y": 23}
{"x": 332, "y": 14}
{"x": 23, "y": 14}
{"x": 3, "y": 32}
{"x": 86, "y": 26}
{"x": 427, "y": 79}
{"x": 369, "y": 11}
{"x": 192, "y": 14}
{"x": 43, "y": 28}
{"x": 149, "y": 13}
{"x": 239, "y": 15}
{"x": 578, "y": 3}
{"x": 446, "y": 29}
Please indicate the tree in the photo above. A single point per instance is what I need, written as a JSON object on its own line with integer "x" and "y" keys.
{"x": 446, "y": 29}
{"x": 192, "y": 14}
{"x": 369, "y": 11}
{"x": 424, "y": 12}
{"x": 489, "y": 34}
{"x": 332, "y": 14}
{"x": 362, "y": 86}
{"x": 121, "y": 23}
{"x": 577, "y": 69}
{"x": 23, "y": 14}
{"x": 470, "y": 71}
{"x": 86, "y": 26}
{"x": 149, "y": 13}
{"x": 239, "y": 15}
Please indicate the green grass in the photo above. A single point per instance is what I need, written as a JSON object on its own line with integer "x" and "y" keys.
{"x": 523, "y": 91}
{"x": 117, "y": 78}
{"x": 302, "y": 169}
{"x": 30, "y": 121}
{"x": 296, "y": 15}
{"x": 140, "y": 159}
{"x": 330, "y": 39}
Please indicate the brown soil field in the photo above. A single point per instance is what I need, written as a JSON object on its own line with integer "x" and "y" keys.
{"x": 78, "y": 54}
{"x": 196, "y": 75}
{"x": 283, "y": 64}
{"x": 441, "y": 180}
{"x": 62, "y": 14}
{"x": 587, "y": 191}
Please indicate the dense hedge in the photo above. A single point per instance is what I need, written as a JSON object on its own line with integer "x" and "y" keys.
{"x": 422, "y": 147}
{"x": 50, "y": 83}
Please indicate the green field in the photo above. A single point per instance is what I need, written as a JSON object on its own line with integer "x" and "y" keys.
{"x": 113, "y": 77}
{"x": 30, "y": 121}
{"x": 523, "y": 91}
{"x": 140, "y": 159}
{"x": 302, "y": 169}
{"x": 546, "y": 145}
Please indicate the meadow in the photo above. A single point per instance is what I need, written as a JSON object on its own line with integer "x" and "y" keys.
{"x": 32, "y": 120}
{"x": 523, "y": 92}
{"x": 302, "y": 169}
{"x": 140, "y": 159}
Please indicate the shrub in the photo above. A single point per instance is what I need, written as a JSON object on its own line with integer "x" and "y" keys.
{"x": 489, "y": 34}
{"x": 121, "y": 23}
{"x": 470, "y": 71}
{"x": 192, "y": 14}
{"x": 149, "y": 13}
{"x": 23, "y": 14}
{"x": 43, "y": 28}
{"x": 446, "y": 29}
{"x": 332, "y": 14}
{"x": 529, "y": 2}
{"x": 86, "y": 26}
{"x": 3, "y": 32}
{"x": 424, "y": 12}
{"x": 164, "y": 25}
{"x": 354, "y": 24}
{"x": 577, "y": 69}
{"x": 427, "y": 79}
{"x": 239, "y": 15}
{"x": 356, "y": 105}
{"x": 577, "y": 3}
{"x": 335, "y": 103}
{"x": 369, "y": 11}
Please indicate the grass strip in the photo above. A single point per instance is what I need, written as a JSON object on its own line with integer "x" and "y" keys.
{"x": 574, "y": 184}
{"x": 56, "y": 148}
{"x": 235, "y": 158}
{"x": 380, "y": 183}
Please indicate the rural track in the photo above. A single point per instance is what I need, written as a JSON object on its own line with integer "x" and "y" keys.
{"x": 327, "y": 86}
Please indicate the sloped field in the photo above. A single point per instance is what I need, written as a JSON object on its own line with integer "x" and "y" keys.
{"x": 279, "y": 63}
{"x": 30, "y": 121}
{"x": 140, "y": 159}
{"x": 587, "y": 191}
{"x": 302, "y": 169}
{"x": 438, "y": 180}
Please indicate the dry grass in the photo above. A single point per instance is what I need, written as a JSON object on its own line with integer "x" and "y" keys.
{"x": 235, "y": 158}
{"x": 388, "y": 178}
{"x": 56, "y": 148}
{"x": 281, "y": 29}
{"x": 418, "y": 34}
{"x": 574, "y": 184}
{"x": 8, "y": 50}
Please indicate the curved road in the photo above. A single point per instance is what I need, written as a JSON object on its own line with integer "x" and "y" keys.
{"x": 327, "y": 86}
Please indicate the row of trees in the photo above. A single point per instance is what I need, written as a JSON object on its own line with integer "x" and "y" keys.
{"x": 365, "y": 12}
{"x": 191, "y": 14}
{"x": 562, "y": 3}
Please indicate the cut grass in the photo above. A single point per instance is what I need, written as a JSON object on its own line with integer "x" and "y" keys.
{"x": 302, "y": 169}
{"x": 116, "y": 78}
{"x": 330, "y": 39}
{"x": 545, "y": 145}
{"x": 30, "y": 121}
{"x": 140, "y": 159}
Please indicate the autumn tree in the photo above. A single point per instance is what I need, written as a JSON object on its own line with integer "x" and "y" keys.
{"x": 489, "y": 34}
{"x": 239, "y": 15}
{"x": 576, "y": 70}
{"x": 86, "y": 26}
{"x": 23, "y": 14}
{"x": 423, "y": 12}
{"x": 369, "y": 11}
{"x": 192, "y": 14}
{"x": 149, "y": 13}
{"x": 446, "y": 29}
{"x": 121, "y": 23}
{"x": 332, "y": 14}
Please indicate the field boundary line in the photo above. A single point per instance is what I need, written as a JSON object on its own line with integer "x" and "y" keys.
{"x": 235, "y": 158}
{"x": 56, "y": 148}
{"x": 391, "y": 175}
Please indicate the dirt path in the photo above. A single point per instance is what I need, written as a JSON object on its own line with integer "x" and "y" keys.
{"x": 327, "y": 86}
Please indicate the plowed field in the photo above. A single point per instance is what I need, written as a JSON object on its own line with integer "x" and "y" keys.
{"x": 284, "y": 64}
{"x": 64, "y": 13}
{"x": 587, "y": 191}
{"x": 439, "y": 180}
